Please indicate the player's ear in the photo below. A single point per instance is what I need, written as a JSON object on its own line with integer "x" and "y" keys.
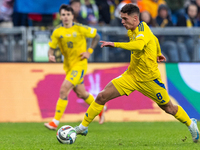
{"x": 135, "y": 17}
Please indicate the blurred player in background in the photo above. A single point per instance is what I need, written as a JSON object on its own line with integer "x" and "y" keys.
{"x": 71, "y": 39}
{"x": 142, "y": 74}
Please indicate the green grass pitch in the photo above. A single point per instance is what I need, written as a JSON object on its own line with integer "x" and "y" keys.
{"x": 109, "y": 136}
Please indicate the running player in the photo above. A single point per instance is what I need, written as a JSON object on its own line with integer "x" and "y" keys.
{"x": 142, "y": 74}
{"x": 71, "y": 39}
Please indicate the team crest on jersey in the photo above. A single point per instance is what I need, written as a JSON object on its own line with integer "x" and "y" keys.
{"x": 61, "y": 37}
{"x": 74, "y": 34}
{"x": 132, "y": 38}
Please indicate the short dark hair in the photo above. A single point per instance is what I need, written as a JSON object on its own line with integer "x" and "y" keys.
{"x": 66, "y": 7}
{"x": 130, "y": 9}
{"x": 74, "y": 1}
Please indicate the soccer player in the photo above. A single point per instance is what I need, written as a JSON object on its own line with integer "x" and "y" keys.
{"x": 142, "y": 74}
{"x": 71, "y": 39}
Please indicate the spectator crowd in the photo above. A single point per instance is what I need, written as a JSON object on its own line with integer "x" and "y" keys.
{"x": 156, "y": 13}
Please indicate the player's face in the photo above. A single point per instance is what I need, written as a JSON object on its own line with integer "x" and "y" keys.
{"x": 129, "y": 21}
{"x": 66, "y": 16}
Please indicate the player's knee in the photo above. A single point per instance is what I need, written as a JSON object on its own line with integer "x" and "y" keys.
{"x": 63, "y": 94}
{"x": 101, "y": 99}
{"x": 79, "y": 95}
{"x": 82, "y": 95}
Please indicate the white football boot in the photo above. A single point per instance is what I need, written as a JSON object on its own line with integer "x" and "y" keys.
{"x": 81, "y": 132}
{"x": 194, "y": 130}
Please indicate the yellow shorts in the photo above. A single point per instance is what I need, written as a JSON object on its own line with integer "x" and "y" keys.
{"x": 126, "y": 84}
{"x": 76, "y": 74}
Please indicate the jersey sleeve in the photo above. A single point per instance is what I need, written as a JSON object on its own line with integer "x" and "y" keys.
{"x": 143, "y": 33}
{"x": 132, "y": 45}
{"x": 54, "y": 40}
{"x": 158, "y": 46}
{"x": 88, "y": 31}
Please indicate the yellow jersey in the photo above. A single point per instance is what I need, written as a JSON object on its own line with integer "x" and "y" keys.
{"x": 143, "y": 65}
{"x": 72, "y": 42}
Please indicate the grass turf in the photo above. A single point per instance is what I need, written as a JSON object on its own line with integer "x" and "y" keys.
{"x": 109, "y": 136}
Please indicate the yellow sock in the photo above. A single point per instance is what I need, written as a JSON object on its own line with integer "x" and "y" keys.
{"x": 90, "y": 99}
{"x": 182, "y": 116}
{"x": 60, "y": 108}
{"x": 91, "y": 113}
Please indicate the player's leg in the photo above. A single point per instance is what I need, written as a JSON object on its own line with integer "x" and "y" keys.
{"x": 157, "y": 92}
{"x": 61, "y": 105}
{"x": 179, "y": 113}
{"x": 83, "y": 94}
{"x": 88, "y": 98}
{"x": 117, "y": 87}
{"x": 109, "y": 92}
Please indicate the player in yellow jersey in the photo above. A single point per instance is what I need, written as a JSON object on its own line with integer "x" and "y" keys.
{"x": 71, "y": 39}
{"x": 142, "y": 74}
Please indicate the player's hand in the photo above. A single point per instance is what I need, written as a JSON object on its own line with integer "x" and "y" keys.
{"x": 52, "y": 58}
{"x": 106, "y": 44}
{"x": 85, "y": 55}
{"x": 161, "y": 58}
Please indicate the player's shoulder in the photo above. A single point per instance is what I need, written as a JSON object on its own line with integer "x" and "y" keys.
{"x": 58, "y": 28}
{"x": 143, "y": 26}
{"x": 81, "y": 26}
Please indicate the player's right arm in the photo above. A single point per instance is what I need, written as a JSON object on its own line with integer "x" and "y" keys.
{"x": 141, "y": 39}
{"x": 52, "y": 46}
{"x": 137, "y": 45}
{"x": 51, "y": 55}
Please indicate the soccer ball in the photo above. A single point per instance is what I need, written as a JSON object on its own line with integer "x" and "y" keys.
{"x": 66, "y": 134}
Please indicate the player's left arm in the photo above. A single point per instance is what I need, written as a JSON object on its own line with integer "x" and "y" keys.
{"x": 94, "y": 43}
{"x": 160, "y": 56}
{"x": 52, "y": 46}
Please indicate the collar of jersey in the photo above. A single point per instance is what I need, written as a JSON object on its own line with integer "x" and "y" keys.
{"x": 63, "y": 25}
